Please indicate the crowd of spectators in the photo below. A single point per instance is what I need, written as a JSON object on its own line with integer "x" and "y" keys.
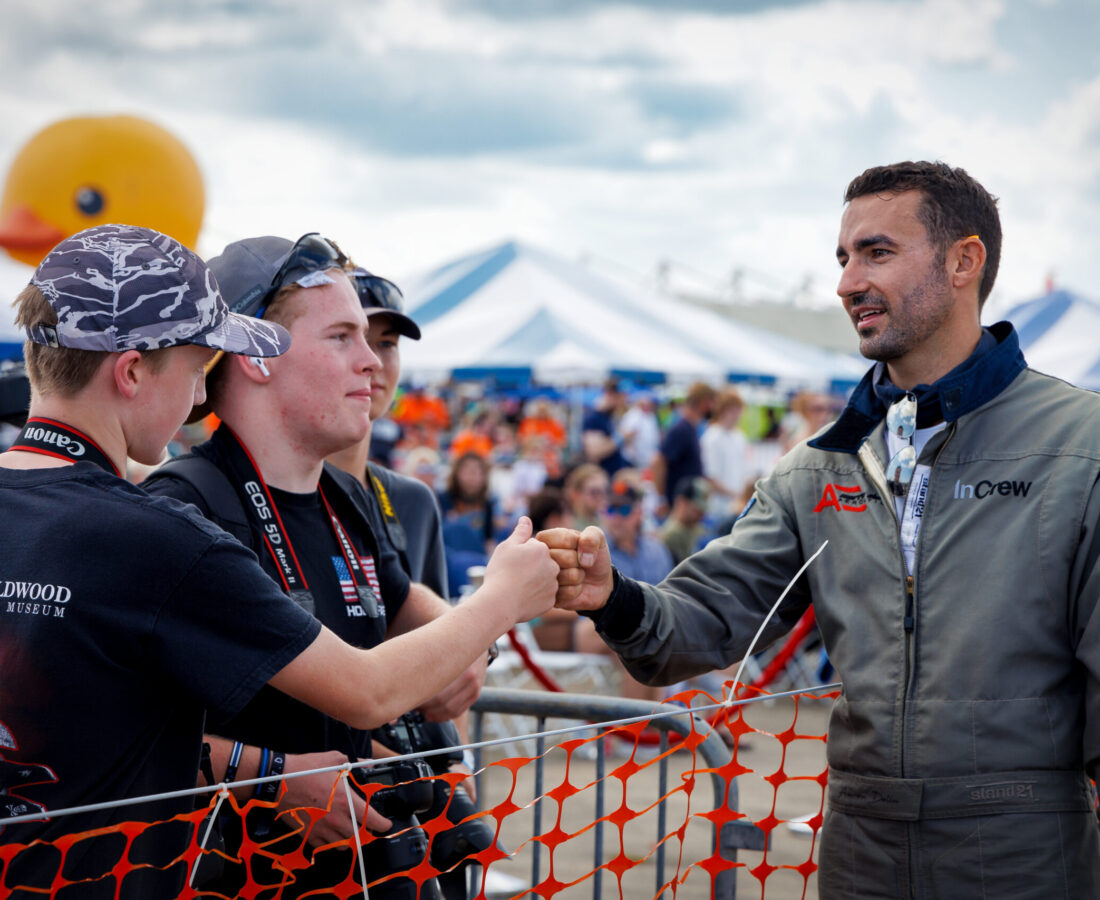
{"x": 663, "y": 473}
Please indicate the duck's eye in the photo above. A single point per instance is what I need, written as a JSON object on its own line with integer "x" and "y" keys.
{"x": 89, "y": 201}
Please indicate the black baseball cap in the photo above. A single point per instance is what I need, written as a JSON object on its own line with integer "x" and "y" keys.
{"x": 379, "y": 295}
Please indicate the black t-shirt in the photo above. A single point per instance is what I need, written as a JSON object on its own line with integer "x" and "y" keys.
{"x": 598, "y": 420}
{"x": 683, "y": 455}
{"x": 122, "y": 617}
{"x": 273, "y": 719}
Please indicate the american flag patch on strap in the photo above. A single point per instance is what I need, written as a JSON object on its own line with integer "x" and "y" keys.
{"x": 347, "y": 586}
{"x": 367, "y": 562}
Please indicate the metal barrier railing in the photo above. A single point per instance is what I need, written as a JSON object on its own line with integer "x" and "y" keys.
{"x": 589, "y": 708}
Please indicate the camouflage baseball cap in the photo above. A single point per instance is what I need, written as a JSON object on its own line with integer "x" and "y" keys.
{"x": 122, "y": 287}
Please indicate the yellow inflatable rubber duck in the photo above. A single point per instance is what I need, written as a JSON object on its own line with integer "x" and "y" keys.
{"x": 85, "y": 171}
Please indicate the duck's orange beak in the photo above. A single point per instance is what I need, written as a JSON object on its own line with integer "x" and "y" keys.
{"x": 21, "y": 229}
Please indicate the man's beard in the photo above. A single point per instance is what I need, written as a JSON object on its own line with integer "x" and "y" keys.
{"x": 909, "y": 320}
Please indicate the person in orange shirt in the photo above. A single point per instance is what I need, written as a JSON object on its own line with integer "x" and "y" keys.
{"x": 540, "y": 422}
{"x": 416, "y": 408}
{"x": 474, "y": 438}
{"x": 541, "y": 425}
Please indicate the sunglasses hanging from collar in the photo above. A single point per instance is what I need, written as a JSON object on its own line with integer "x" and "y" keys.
{"x": 901, "y": 421}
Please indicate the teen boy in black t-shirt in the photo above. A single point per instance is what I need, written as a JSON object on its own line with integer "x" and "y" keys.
{"x": 278, "y": 425}
{"x": 354, "y": 614}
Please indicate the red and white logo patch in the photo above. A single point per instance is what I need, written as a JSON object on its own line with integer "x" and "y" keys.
{"x": 841, "y": 498}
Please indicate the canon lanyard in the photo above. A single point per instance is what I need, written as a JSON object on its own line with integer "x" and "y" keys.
{"x": 261, "y": 507}
{"x": 51, "y": 438}
{"x": 393, "y": 525}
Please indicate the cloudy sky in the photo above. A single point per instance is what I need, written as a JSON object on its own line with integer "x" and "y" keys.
{"x": 717, "y": 137}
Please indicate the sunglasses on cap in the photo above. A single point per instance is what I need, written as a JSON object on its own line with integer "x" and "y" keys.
{"x": 375, "y": 291}
{"x": 377, "y": 294}
{"x": 310, "y": 253}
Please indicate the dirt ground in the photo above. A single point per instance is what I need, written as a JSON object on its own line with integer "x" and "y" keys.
{"x": 798, "y": 794}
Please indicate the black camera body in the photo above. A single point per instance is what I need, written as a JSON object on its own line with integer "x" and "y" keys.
{"x": 412, "y": 733}
{"x": 406, "y": 795}
{"x": 405, "y": 845}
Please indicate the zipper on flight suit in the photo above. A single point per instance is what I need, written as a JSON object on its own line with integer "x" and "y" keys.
{"x": 873, "y": 467}
{"x": 910, "y": 652}
{"x": 910, "y": 620}
{"x": 875, "y": 471}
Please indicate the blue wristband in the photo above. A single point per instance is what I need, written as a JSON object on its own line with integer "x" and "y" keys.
{"x": 272, "y": 763}
{"x": 234, "y": 762}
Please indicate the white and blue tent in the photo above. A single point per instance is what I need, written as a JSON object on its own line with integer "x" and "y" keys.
{"x": 13, "y": 278}
{"x": 11, "y": 338}
{"x": 1060, "y": 335}
{"x": 517, "y": 313}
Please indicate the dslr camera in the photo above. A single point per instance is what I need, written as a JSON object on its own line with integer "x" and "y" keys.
{"x": 452, "y": 848}
{"x": 405, "y": 845}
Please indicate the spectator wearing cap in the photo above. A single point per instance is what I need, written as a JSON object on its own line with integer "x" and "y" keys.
{"x": 413, "y": 520}
{"x": 263, "y": 477}
{"x": 119, "y": 321}
{"x": 681, "y": 455}
{"x": 683, "y": 531}
{"x": 632, "y": 549}
{"x": 410, "y": 520}
{"x": 165, "y": 615}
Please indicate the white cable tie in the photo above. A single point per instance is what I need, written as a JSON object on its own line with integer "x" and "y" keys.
{"x": 737, "y": 678}
{"x": 355, "y": 829}
{"x": 222, "y": 794}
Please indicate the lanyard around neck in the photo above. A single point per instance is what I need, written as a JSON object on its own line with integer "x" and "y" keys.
{"x": 52, "y": 438}
{"x": 394, "y": 528}
{"x": 264, "y": 513}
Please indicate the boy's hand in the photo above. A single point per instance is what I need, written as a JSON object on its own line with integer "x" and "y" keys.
{"x": 525, "y": 566}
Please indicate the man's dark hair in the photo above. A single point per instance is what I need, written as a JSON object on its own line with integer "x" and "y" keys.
{"x": 953, "y": 206}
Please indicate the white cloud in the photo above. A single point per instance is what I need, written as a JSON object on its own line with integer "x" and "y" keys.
{"x": 412, "y": 130}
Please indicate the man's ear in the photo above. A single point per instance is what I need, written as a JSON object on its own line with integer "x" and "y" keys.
{"x": 966, "y": 261}
{"x": 130, "y": 371}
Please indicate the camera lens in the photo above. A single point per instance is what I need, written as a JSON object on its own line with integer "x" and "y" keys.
{"x": 451, "y": 847}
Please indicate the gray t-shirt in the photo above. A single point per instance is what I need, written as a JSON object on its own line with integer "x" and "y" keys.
{"x": 417, "y": 509}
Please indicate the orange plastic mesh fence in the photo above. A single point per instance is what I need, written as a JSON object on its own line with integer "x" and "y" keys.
{"x": 278, "y": 865}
